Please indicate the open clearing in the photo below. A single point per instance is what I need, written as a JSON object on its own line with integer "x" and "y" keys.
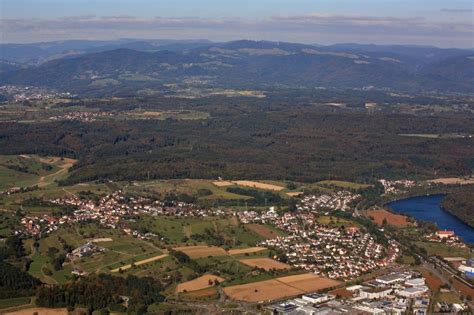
{"x": 378, "y": 216}
{"x": 40, "y": 311}
{"x": 200, "y": 283}
{"x": 141, "y": 262}
{"x": 453, "y": 181}
{"x": 222, "y": 183}
{"x": 265, "y": 263}
{"x": 201, "y": 251}
{"x": 279, "y": 288}
{"x": 247, "y": 250}
{"x": 294, "y": 193}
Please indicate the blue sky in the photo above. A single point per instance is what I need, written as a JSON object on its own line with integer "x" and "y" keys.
{"x": 447, "y": 23}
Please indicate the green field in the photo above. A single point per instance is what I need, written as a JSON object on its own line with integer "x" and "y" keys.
{"x": 342, "y": 184}
{"x": 336, "y": 221}
{"x": 192, "y": 187}
{"x": 30, "y": 170}
{"x": 443, "y": 250}
{"x": 122, "y": 250}
{"x": 6, "y": 303}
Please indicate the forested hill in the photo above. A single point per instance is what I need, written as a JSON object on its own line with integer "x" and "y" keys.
{"x": 250, "y": 64}
{"x": 461, "y": 204}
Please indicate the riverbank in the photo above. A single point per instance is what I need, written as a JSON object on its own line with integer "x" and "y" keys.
{"x": 429, "y": 208}
{"x": 461, "y": 205}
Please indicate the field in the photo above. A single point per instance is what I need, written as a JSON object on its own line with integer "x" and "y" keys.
{"x": 266, "y": 232}
{"x": 40, "y": 311}
{"x": 259, "y": 185}
{"x": 265, "y": 263}
{"x": 378, "y": 216}
{"x": 31, "y": 170}
{"x": 122, "y": 251}
{"x": 192, "y": 187}
{"x": 434, "y": 283}
{"x": 464, "y": 289}
{"x": 246, "y": 250}
{"x": 204, "y": 294}
{"x": 179, "y": 230}
{"x": 7, "y": 303}
{"x": 443, "y": 250}
{"x": 201, "y": 251}
{"x": 453, "y": 181}
{"x": 343, "y": 184}
{"x": 279, "y": 288}
{"x": 200, "y": 283}
{"x": 335, "y": 221}
{"x": 140, "y": 262}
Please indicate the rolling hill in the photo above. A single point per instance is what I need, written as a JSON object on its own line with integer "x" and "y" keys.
{"x": 252, "y": 64}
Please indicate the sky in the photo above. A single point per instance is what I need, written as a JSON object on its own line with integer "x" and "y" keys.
{"x": 442, "y": 23}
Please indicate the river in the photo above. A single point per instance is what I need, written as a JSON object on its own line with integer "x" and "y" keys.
{"x": 428, "y": 208}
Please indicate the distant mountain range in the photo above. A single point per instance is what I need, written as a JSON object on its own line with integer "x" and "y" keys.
{"x": 130, "y": 65}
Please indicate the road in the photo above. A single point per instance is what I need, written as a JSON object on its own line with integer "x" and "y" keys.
{"x": 441, "y": 275}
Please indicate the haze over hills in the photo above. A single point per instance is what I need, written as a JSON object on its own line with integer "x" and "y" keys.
{"x": 99, "y": 66}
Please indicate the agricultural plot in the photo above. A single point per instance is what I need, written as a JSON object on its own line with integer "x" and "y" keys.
{"x": 265, "y": 231}
{"x": 379, "y": 216}
{"x": 335, "y": 221}
{"x": 31, "y": 170}
{"x": 201, "y": 188}
{"x": 343, "y": 184}
{"x": 176, "y": 230}
{"x": 8, "y": 303}
{"x": 279, "y": 288}
{"x": 247, "y": 250}
{"x": 201, "y": 251}
{"x": 309, "y": 282}
{"x": 203, "y": 294}
{"x": 265, "y": 263}
{"x": 443, "y": 250}
{"x": 199, "y": 283}
{"x": 40, "y": 311}
{"x": 259, "y": 185}
{"x": 121, "y": 251}
{"x": 140, "y": 262}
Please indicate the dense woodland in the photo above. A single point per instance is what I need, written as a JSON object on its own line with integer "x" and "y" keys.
{"x": 461, "y": 204}
{"x": 269, "y": 139}
{"x": 103, "y": 291}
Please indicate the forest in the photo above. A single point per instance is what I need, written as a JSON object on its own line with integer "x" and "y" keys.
{"x": 271, "y": 139}
{"x": 461, "y": 204}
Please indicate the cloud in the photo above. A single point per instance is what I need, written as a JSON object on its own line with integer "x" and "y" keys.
{"x": 457, "y": 11}
{"x": 312, "y": 28}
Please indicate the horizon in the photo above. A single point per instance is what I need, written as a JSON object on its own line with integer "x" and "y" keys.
{"x": 203, "y": 40}
{"x": 438, "y": 23}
